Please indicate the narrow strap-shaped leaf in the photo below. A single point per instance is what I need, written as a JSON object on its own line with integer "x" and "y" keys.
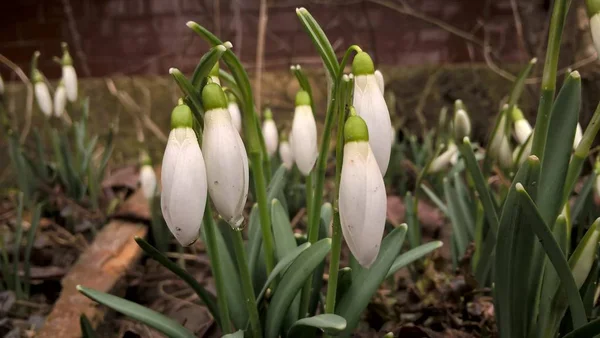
{"x": 207, "y": 297}
{"x": 412, "y": 255}
{"x": 435, "y": 199}
{"x": 590, "y": 329}
{"x": 87, "y": 331}
{"x": 277, "y": 183}
{"x": 190, "y": 92}
{"x": 367, "y": 281}
{"x": 557, "y": 258}
{"x": 579, "y": 204}
{"x": 206, "y": 63}
{"x": 161, "y": 323}
{"x": 291, "y": 283}
{"x": 459, "y": 226}
{"x": 324, "y": 226}
{"x": 328, "y": 323}
{"x": 465, "y": 205}
{"x": 412, "y": 220}
{"x": 344, "y": 282}
{"x": 316, "y": 34}
{"x": 17, "y": 246}
{"x": 236, "y": 334}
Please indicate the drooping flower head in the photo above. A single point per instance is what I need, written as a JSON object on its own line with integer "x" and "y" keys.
{"x": 462, "y": 122}
{"x": 522, "y": 128}
{"x": 269, "y": 130}
{"x": 362, "y": 199}
{"x": 42, "y": 94}
{"x": 226, "y": 158}
{"x": 304, "y": 131}
{"x": 285, "y": 153}
{"x": 183, "y": 179}
{"x": 371, "y": 106}
{"x": 69, "y": 76}
{"x": 147, "y": 176}
{"x": 60, "y": 99}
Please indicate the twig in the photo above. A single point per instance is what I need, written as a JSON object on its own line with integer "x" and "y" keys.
{"x": 260, "y": 53}
{"x": 76, "y": 37}
{"x": 29, "y": 100}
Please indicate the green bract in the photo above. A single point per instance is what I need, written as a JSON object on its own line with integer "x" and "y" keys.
{"x": 181, "y": 117}
{"x": 302, "y": 99}
{"x": 213, "y": 97}
{"x": 362, "y": 64}
{"x": 355, "y": 129}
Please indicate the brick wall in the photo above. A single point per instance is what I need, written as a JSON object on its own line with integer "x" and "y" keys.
{"x": 149, "y": 36}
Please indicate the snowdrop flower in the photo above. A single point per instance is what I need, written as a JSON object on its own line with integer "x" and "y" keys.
{"x": 304, "y": 129}
{"x": 499, "y": 146}
{"x": 214, "y": 74}
{"x": 462, "y": 123}
{"x": 60, "y": 100}
{"x": 269, "y": 130}
{"x": 226, "y": 158}
{"x": 362, "y": 200}
{"x": 444, "y": 160}
{"x": 380, "y": 82}
{"x": 578, "y": 136}
{"x": 183, "y": 179}
{"x": 42, "y": 94}
{"x": 522, "y": 128}
{"x": 69, "y": 76}
{"x": 234, "y": 111}
{"x": 371, "y": 106}
{"x": 593, "y": 8}
{"x": 285, "y": 153}
{"x": 147, "y": 177}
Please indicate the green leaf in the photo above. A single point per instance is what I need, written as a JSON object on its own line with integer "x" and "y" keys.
{"x": 367, "y": 281}
{"x": 588, "y": 330}
{"x": 161, "y": 323}
{"x": 460, "y": 231}
{"x": 87, "y": 331}
{"x": 236, "y": 334}
{"x": 277, "y": 183}
{"x": 207, "y": 298}
{"x": 319, "y": 39}
{"x": 414, "y": 230}
{"x": 292, "y": 281}
{"x": 557, "y": 153}
{"x": 206, "y": 63}
{"x": 330, "y": 324}
{"x": 435, "y": 199}
{"x": 344, "y": 282}
{"x": 317, "y": 283}
{"x": 280, "y": 267}
{"x": 190, "y": 92}
{"x": 412, "y": 255}
{"x": 583, "y": 195}
{"x": 556, "y": 256}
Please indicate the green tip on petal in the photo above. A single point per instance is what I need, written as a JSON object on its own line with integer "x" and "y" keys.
{"x": 593, "y": 7}
{"x": 355, "y": 129}
{"x": 268, "y": 114}
{"x": 66, "y": 60}
{"x": 214, "y": 71}
{"x": 213, "y": 97}
{"x": 302, "y": 99}
{"x": 181, "y": 117}
{"x": 516, "y": 114}
{"x": 362, "y": 64}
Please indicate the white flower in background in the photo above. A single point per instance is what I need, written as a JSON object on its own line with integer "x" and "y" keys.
{"x": 362, "y": 200}
{"x": 226, "y": 158}
{"x": 380, "y": 82}
{"x": 269, "y": 130}
{"x": 183, "y": 179}
{"x": 462, "y": 123}
{"x": 444, "y": 160}
{"x": 371, "y": 106}
{"x": 595, "y": 23}
{"x": 234, "y": 111}
{"x": 522, "y": 128}
{"x": 286, "y": 155}
{"x": 42, "y": 94}
{"x": 69, "y": 76}
{"x": 60, "y": 100}
{"x": 147, "y": 177}
{"x": 499, "y": 146}
{"x": 578, "y": 136}
{"x": 304, "y": 129}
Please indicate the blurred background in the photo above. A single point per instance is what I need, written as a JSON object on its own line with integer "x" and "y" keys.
{"x": 431, "y": 52}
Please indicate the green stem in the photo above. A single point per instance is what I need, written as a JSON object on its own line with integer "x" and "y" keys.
{"x": 263, "y": 209}
{"x": 307, "y": 289}
{"x": 557, "y": 23}
{"x": 250, "y": 298}
{"x": 213, "y": 253}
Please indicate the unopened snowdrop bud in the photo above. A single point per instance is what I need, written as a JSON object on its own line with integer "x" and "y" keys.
{"x": 285, "y": 153}
{"x": 269, "y": 130}
{"x": 593, "y": 9}
{"x": 362, "y": 200}
{"x": 42, "y": 94}
{"x": 183, "y": 179}
{"x": 444, "y": 160}
{"x": 462, "y": 123}
{"x": 304, "y": 129}
{"x": 60, "y": 100}
{"x": 522, "y": 127}
{"x": 578, "y": 136}
{"x": 234, "y": 111}
{"x": 380, "y": 82}
{"x": 214, "y": 74}
{"x": 69, "y": 75}
{"x": 226, "y": 158}
{"x": 147, "y": 176}
{"x": 370, "y": 105}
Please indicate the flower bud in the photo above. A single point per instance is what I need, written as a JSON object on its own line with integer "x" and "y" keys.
{"x": 362, "y": 199}
{"x": 593, "y": 9}
{"x": 462, "y": 123}
{"x": 226, "y": 158}
{"x": 147, "y": 177}
{"x": 69, "y": 76}
{"x": 269, "y": 130}
{"x": 286, "y": 155}
{"x": 578, "y": 136}
{"x": 304, "y": 129}
{"x": 42, "y": 94}
{"x": 234, "y": 111}
{"x": 60, "y": 100}
{"x": 443, "y": 161}
{"x": 371, "y": 106}
{"x": 183, "y": 179}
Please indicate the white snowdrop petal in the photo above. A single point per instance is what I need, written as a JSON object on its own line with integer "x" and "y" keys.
{"x": 285, "y": 153}
{"x": 148, "y": 181}
{"x": 70, "y": 80}
{"x": 522, "y": 130}
{"x": 236, "y": 115}
{"x": 371, "y": 106}
{"x": 271, "y": 136}
{"x": 60, "y": 101}
{"x": 42, "y": 96}
{"x": 363, "y": 202}
{"x": 380, "y": 82}
{"x": 226, "y": 166}
{"x": 444, "y": 159}
{"x": 578, "y": 136}
{"x": 304, "y": 148}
